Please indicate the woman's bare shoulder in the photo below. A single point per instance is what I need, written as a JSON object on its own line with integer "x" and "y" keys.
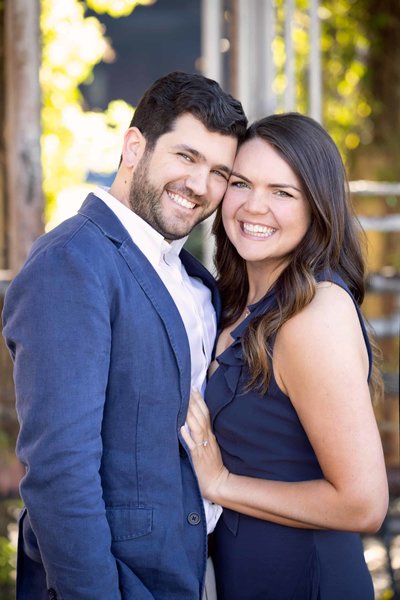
{"x": 331, "y": 308}
{"x": 324, "y": 338}
{"x": 328, "y": 328}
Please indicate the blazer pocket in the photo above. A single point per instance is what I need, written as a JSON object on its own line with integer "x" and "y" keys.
{"x": 26, "y": 539}
{"x": 127, "y": 523}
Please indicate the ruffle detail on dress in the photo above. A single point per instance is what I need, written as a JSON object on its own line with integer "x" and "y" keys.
{"x": 231, "y": 361}
{"x": 231, "y": 520}
{"x": 228, "y": 373}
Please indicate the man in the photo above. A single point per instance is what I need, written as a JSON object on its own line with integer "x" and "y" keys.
{"x": 109, "y": 324}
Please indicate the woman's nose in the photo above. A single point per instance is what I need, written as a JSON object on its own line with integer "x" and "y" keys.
{"x": 257, "y": 203}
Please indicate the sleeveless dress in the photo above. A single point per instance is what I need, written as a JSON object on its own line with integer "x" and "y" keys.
{"x": 261, "y": 436}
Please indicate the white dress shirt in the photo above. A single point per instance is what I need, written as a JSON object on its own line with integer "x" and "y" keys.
{"x": 191, "y": 296}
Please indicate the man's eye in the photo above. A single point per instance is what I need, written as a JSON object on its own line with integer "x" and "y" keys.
{"x": 185, "y": 156}
{"x": 220, "y": 174}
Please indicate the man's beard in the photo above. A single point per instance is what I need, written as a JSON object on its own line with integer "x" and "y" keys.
{"x": 145, "y": 201}
{"x": 144, "y": 198}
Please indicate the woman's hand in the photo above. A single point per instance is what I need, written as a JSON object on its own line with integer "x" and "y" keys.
{"x": 204, "y": 450}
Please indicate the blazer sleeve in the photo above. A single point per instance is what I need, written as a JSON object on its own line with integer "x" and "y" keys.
{"x": 57, "y": 327}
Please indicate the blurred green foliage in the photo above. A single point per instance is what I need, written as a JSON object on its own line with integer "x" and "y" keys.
{"x": 344, "y": 46}
{"x": 7, "y": 563}
{"x": 9, "y": 510}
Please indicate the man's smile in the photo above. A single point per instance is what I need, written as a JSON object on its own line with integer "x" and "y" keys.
{"x": 178, "y": 199}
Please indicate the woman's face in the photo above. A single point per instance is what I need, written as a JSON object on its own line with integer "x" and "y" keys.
{"x": 264, "y": 212}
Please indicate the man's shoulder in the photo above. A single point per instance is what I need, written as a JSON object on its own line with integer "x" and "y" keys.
{"x": 64, "y": 235}
{"x": 93, "y": 222}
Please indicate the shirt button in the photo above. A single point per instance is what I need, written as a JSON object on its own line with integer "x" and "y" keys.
{"x": 194, "y": 518}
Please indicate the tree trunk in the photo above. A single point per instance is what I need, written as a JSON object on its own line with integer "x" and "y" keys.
{"x": 22, "y": 196}
{"x": 21, "y": 199}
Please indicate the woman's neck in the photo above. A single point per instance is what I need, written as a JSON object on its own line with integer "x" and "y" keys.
{"x": 261, "y": 278}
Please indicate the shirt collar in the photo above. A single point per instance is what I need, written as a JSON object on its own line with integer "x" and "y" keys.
{"x": 149, "y": 241}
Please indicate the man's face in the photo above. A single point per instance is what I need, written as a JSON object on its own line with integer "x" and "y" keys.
{"x": 181, "y": 181}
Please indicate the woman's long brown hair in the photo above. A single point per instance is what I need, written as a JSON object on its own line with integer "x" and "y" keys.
{"x": 332, "y": 242}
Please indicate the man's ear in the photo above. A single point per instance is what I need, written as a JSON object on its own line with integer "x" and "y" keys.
{"x": 133, "y": 147}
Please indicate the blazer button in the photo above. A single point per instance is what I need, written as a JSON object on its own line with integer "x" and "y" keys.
{"x": 194, "y": 518}
{"x": 52, "y": 594}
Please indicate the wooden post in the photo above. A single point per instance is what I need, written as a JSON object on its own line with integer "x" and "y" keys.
{"x": 21, "y": 199}
{"x": 3, "y": 247}
{"x": 23, "y": 179}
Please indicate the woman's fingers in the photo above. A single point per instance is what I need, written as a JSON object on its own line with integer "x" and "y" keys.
{"x": 187, "y": 437}
{"x": 198, "y": 404}
{"x": 196, "y": 421}
{"x": 203, "y": 447}
{"x": 194, "y": 440}
{"x": 197, "y": 416}
{"x": 198, "y": 429}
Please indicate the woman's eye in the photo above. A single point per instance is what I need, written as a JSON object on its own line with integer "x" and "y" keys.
{"x": 238, "y": 184}
{"x": 283, "y": 194}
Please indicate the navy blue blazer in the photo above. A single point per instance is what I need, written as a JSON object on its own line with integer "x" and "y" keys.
{"x": 102, "y": 376}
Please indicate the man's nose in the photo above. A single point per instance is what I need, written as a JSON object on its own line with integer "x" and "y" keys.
{"x": 197, "y": 181}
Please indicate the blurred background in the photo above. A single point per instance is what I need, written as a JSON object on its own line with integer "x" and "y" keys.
{"x": 71, "y": 72}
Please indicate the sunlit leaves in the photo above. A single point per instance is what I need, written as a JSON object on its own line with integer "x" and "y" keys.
{"x": 116, "y": 8}
{"x": 74, "y": 140}
{"x": 344, "y": 48}
{"x": 346, "y": 106}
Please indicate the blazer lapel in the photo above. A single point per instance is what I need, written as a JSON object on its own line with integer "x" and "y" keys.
{"x": 147, "y": 278}
{"x": 196, "y": 269}
{"x": 163, "y": 303}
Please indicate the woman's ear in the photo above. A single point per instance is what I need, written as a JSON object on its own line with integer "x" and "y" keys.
{"x": 133, "y": 147}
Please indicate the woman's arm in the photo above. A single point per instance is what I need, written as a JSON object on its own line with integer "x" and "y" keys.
{"x": 211, "y": 470}
{"x": 320, "y": 362}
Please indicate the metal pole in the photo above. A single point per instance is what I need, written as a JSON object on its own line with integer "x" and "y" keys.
{"x": 263, "y": 68}
{"x": 211, "y": 33}
{"x": 245, "y": 63}
{"x": 315, "y": 63}
{"x": 266, "y": 70}
{"x": 290, "y": 90}
{"x": 211, "y": 25}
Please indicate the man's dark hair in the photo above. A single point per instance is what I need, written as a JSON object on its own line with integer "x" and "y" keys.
{"x": 177, "y": 93}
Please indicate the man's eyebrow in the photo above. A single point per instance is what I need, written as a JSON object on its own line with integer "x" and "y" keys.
{"x": 201, "y": 157}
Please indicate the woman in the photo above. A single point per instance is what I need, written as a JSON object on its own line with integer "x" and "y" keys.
{"x": 297, "y": 461}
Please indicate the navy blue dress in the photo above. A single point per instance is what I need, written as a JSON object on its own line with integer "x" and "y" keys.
{"x": 261, "y": 436}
